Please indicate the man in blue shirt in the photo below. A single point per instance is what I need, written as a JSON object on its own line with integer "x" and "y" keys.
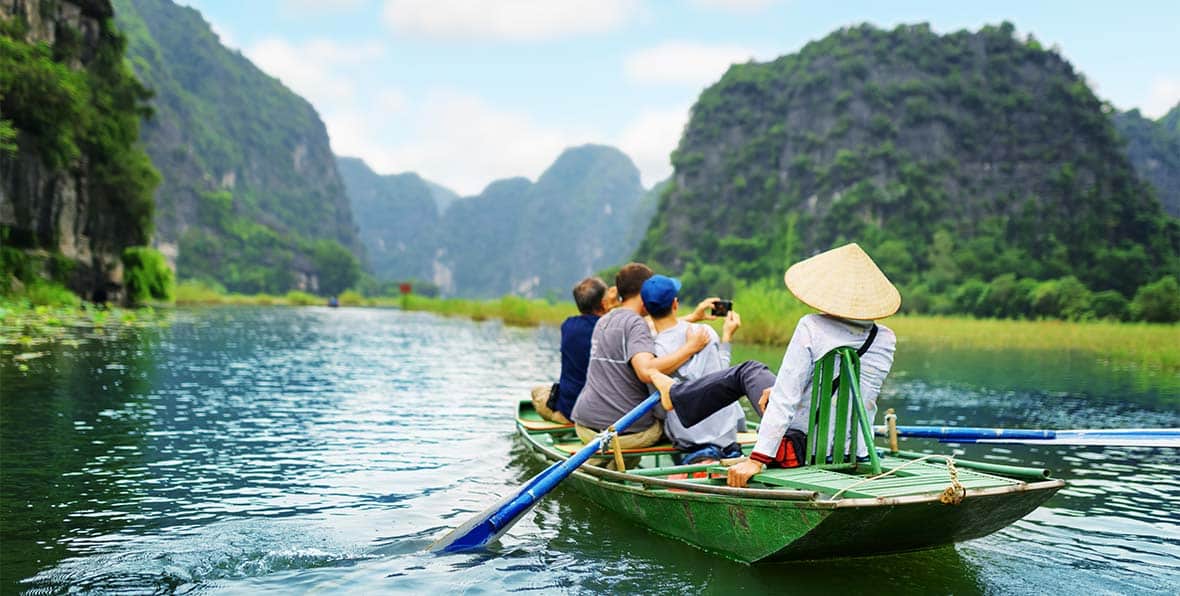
{"x": 555, "y": 402}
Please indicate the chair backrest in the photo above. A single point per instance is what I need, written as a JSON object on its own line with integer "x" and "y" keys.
{"x": 839, "y": 405}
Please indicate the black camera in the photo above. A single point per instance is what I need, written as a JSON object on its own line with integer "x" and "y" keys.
{"x": 722, "y": 307}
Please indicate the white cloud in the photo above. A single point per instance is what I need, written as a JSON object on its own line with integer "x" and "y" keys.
{"x": 322, "y": 6}
{"x": 316, "y": 69}
{"x": 455, "y": 139}
{"x": 684, "y": 63}
{"x": 514, "y": 20}
{"x": 649, "y": 140}
{"x": 465, "y": 143}
{"x": 1164, "y": 95}
{"x": 391, "y": 100}
{"x": 743, "y": 6}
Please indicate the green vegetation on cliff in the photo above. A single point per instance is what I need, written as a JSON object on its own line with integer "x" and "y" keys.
{"x": 69, "y": 121}
{"x": 250, "y": 190}
{"x": 1154, "y": 150}
{"x": 397, "y": 216}
{"x": 970, "y": 165}
{"x": 584, "y": 213}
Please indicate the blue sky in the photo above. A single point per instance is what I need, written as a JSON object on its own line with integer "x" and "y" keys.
{"x": 465, "y": 91}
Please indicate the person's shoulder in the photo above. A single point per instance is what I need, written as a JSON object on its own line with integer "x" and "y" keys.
{"x": 580, "y": 320}
{"x": 676, "y": 331}
{"x": 617, "y": 313}
{"x": 886, "y": 333}
{"x": 812, "y": 321}
{"x": 713, "y": 337}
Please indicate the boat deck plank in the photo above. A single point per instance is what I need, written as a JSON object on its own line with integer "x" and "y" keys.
{"x": 922, "y": 480}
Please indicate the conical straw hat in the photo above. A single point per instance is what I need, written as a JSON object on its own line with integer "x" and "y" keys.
{"x": 844, "y": 282}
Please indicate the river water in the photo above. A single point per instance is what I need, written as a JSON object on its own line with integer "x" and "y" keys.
{"x": 245, "y": 450}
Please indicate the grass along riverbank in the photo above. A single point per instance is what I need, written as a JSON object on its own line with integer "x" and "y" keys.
{"x": 769, "y": 317}
{"x": 512, "y": 310}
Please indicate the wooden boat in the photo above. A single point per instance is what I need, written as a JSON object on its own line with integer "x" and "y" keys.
{"x": 811, "y": 512}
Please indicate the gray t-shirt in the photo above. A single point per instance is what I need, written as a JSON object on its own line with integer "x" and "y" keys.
{"x": 612, "y": 389}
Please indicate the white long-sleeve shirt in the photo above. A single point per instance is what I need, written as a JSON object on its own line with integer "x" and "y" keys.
{"x": 815, "y": 336}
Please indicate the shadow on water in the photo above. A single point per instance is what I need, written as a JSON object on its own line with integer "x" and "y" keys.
{"x": 71, "y": 442}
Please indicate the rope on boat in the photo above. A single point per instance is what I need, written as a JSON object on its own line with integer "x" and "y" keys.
{"x": 952, "y": 495}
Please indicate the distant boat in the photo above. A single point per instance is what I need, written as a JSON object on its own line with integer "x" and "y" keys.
{"x": 811, "y": 512}
{"x": 333, "y": 302}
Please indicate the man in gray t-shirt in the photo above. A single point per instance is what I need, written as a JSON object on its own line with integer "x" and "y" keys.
{"x": 622, "y": 358}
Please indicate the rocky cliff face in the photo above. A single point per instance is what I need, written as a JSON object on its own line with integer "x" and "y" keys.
{"x": 1153, "y": 146}
{"x": 250, "y": 182}
{"x": 74, "y": 187}
{"x": 979, "y": 151}
{"x": 398, "y": 219}
{"x": 585, "y": 213}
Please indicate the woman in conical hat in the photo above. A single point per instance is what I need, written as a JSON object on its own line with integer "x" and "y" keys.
{"x": 851, "y": 292}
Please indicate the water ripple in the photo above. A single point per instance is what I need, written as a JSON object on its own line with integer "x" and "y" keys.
{"x": 292, "y": 450}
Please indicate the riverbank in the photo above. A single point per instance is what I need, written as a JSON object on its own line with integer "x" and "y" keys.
{"x": 25, "y": 327}
{"x": 769, "y": 318}
{"x": 768, "y": 315}
{"x": 512, "y": 310}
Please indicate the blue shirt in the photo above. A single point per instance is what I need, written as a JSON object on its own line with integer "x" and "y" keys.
{"x": 575, "y": 358}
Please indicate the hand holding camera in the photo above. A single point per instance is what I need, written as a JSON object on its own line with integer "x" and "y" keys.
{"x": 733, "y": 321}
{"x": 721, "y": 307}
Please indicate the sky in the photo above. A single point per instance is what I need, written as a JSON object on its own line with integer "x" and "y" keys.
{"x": 465, "y": 92}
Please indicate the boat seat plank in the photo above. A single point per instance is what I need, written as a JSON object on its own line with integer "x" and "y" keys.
{"x": 805, "y": 478}
{"x": 932, "y": 480}
{"x": 573, "y": 446}
{"x": 540, "y": 424}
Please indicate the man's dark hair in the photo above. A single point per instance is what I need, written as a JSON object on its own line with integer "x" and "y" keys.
{"x": 658, "y": 313}
{"x": 630, "y": 279}
{"x": 588, "y": 295}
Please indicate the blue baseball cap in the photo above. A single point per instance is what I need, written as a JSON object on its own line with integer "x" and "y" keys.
{"x": 659, "y": 291}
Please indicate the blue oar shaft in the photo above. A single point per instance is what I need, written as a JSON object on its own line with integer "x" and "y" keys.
{"x": 476, "y": 534}
{"x": 1105, "y": 436}
{"x": 973, "y": 432}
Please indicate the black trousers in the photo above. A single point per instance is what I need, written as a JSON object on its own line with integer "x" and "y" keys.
{"x": 699, "y": 398}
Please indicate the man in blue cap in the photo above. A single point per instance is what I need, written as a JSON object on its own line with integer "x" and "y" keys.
{"x": 715, "y": 437}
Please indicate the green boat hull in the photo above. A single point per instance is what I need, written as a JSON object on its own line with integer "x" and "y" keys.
{"x": 753, "y": 530}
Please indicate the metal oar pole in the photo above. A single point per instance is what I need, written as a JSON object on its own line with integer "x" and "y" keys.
{"x": 493, "y": 522}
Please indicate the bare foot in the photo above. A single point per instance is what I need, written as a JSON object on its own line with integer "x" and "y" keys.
{"x": 664, "y": 383}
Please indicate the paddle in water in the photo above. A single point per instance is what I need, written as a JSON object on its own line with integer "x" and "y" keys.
{"x": 493, "y": 522}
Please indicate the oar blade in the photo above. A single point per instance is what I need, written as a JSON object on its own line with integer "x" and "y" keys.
{"x": 475, "y": 533}
{"x": 493, "y": 522}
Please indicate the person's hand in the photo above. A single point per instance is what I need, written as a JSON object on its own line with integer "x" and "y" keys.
{"x": 696, "y": 338}
{"x": 765, "y": 399}
{"x": 733, "y": 322}
{"x": 703, "y": 311}
{"x": 740, "y": 473}
{"x": 610, "y": 299}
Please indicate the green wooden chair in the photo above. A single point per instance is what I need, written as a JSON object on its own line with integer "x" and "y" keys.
{"x": 851, "y": 420}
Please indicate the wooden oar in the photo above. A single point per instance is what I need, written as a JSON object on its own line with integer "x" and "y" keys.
{"x": 489, "y": 525}
{"x": 1110, "y": 437}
